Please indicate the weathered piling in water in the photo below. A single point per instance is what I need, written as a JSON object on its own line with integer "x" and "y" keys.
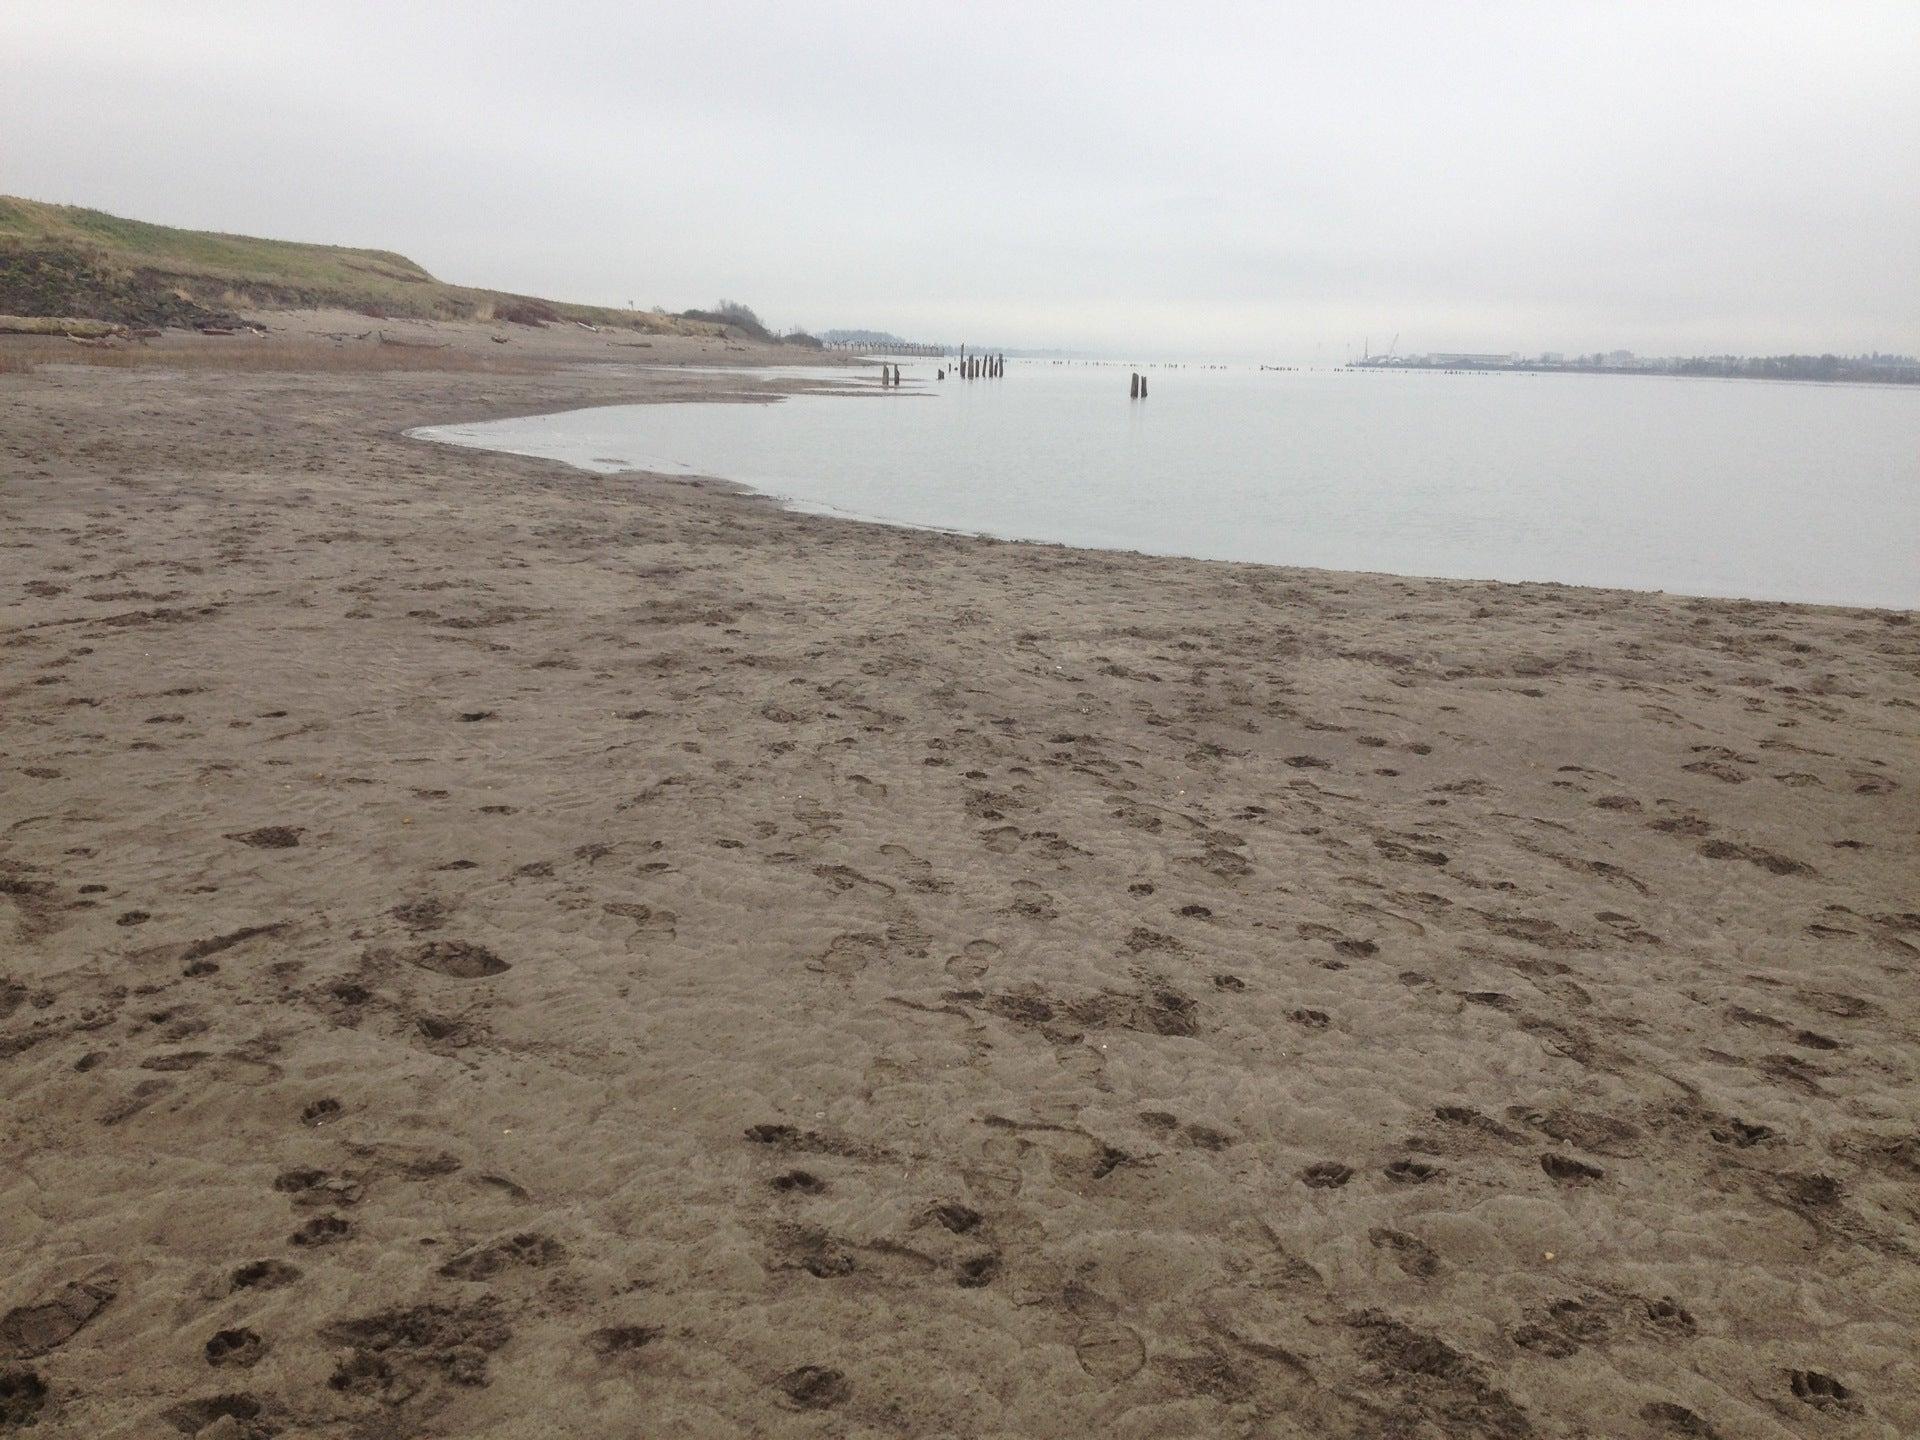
{"x": 1143, "y": 387}
{"x": 1133, "y": 390}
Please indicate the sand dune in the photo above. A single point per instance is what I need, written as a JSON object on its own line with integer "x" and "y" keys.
{"x": 496, "y": 951}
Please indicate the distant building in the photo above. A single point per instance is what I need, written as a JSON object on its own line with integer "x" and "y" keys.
{"x": 1619, "y": 357}
{"x": 1469, "y": 361}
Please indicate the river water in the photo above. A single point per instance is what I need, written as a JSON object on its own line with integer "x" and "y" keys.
{"x": 1754, "y": 489}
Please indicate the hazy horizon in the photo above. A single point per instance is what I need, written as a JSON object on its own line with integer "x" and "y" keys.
{"x": 1260, "y": 183}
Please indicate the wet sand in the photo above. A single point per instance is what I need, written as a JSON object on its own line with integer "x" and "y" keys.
{"x": 488, "y": 950}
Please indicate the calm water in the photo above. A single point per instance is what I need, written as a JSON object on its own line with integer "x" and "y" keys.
{"x": 1741, "y": 488}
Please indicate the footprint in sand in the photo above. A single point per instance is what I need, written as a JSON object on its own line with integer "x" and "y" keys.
{"x": 847, "y": 955}
{"x": 270, "y": 837}
{"x": 1109, "y": 1351}
{"x": 973, "y": 961}
{"x": 34, "y": 1329}
{"x": 461, "y": 959}
{"x": 919, "y": 872}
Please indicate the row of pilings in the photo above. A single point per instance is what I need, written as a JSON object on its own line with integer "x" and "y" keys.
{"x": 977, "y": 367}
{"x": 993, "y": 367}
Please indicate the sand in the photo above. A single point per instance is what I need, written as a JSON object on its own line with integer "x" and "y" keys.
{"x": 488, "y": 950}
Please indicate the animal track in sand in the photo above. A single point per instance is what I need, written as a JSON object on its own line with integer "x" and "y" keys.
{"x": 1326, "y": 1175}
{"x": 190, "y": 1417}
{"x": 1569, "y": 1171}
{"x": 815, "y": 1387}
{"x": 1414, "y": 1256}
{"x": 612, "y": 1340}
{"x": 23, "y": 1397}
{"x": 239, "y": 1347}
{"x": 1563, "y": 1327}
{"x": 1740, "y": 1133}
{"x": 317, "y": 1187}
{"x": 456, "y": 1340}
{"x": 1159, "y": 1009}
{"x": 1602, "y": 1134}
{"x": 789, "y": 1137}
{"x": 1821, "y": 1391}
{"x": 270, "y": 837}
{"x": 441, "y": 1033}
{"x": 958, "y": 1218}
{"x": 322, "y": 1230}
{"x": 1672, "y": 1419}
{"x": 321, "y": 1111}
{"x": 428, "y": 912}
{"x": 799, "y": 1182}
{"x": 263, "y": 1275}
{"x": 975, "y": 1272}
{"x": 528, "y": 1249}
{"x": 1437, "y": 1382}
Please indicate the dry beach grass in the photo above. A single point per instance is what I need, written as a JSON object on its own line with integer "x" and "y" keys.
{"x": 497, "y": 951}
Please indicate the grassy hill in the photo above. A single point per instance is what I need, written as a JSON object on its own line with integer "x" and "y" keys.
{"x": 66, "y": 261}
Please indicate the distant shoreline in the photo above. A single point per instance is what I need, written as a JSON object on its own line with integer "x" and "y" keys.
{"x": 1883, "y": 376}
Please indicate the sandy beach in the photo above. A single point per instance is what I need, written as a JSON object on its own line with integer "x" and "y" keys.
{"x": 488, "y": 950}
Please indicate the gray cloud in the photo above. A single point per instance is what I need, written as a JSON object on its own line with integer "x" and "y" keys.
{"x": 1261, "y": 180}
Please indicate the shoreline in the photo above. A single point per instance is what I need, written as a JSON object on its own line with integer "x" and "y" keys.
{"x": 502, "y": 949}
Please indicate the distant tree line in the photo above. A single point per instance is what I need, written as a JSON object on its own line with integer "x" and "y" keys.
{"x": 1898, "y": 369}
{"x": 739, "y": 317}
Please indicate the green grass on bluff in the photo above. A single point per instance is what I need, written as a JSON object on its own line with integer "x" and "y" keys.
{"x": 66, "y": 261}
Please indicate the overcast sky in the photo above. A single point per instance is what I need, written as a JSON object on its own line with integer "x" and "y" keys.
{"x": 1275, "y": 181}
